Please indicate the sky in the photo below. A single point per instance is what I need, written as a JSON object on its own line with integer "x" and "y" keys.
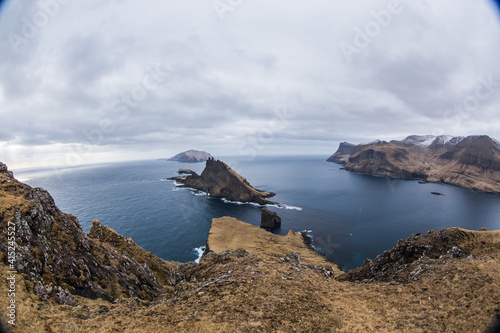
{"x": 94, "y": 81}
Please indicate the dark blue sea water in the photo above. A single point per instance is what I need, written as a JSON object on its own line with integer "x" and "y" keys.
{"x": 351, "y": 216}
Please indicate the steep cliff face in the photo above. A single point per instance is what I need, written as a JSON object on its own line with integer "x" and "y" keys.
{"x": 342, "y": 154}
{"x": 60, "y": 260}
{"x": 220, "y": 181}
{"x": 472, "y": 162}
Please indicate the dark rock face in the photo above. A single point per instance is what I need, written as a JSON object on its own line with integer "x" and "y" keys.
{"x": 378, "y": 162}
{"x": 60, "y": 260}
{"x": 481, "y": 152}
{"x": 402, "y": 261}
{"x": 269, "y": 220}
{"x": 220, "y": 181}
{"x": 342, "y": 154}
{"x": 191, "y": 156}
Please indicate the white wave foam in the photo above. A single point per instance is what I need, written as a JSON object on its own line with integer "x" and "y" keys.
{"x": 240, "y": 203}
{"x": 199, "y": 251}
{"x": 284, "y": 206}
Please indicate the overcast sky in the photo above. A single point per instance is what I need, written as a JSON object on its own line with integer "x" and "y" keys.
{"x": 107, "y": 80}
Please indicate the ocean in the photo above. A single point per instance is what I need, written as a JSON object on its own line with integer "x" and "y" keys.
{"x": 351, "y": 217}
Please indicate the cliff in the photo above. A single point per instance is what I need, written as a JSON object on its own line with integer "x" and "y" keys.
{"x": 59, "y": 260}
{"x": 220, "y": 181}
{"x": 66, "y": 280}
{"x": 191, "y": 156}
{"x": 341, "y": 156}
{"x": 472, "y": 162}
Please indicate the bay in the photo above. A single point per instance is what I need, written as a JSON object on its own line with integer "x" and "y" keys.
{"x": 350, "y": 216}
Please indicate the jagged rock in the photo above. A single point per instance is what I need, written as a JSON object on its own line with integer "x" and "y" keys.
{"x": 269, "y": 220}
{"x": 220, "y": 181}
{"x": 60, "y": 259}
{"x": 397, "y": 263}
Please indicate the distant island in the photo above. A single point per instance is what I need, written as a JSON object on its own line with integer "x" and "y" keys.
{"x": 471, "y": 162}
{"x": 191, "y": 156}
{"x": 220, "y": 181}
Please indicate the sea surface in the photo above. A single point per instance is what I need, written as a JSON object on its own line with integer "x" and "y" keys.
{"x": 351, "y": 217}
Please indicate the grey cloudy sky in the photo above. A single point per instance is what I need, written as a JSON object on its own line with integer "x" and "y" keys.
{"x": 104, "y": 80}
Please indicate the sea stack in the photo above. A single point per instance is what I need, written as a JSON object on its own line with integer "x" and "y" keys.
{"x": 220, "y": 181}
{"x": 269, "y": 220}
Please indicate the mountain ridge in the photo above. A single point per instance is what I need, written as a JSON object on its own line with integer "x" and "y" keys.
{"x": 471, "y": 162}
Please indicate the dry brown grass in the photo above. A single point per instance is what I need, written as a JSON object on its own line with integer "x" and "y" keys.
{"x": 229, "y": 233}
{"x": 254, "y": 294}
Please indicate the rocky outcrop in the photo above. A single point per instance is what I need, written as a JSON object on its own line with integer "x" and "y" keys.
{"x": 472, "y": 162}
{"x": 191, "y": 156}
{"x": 342, "y": 154}
{"x": 186, "y": 172}
{"x": 183, "y": 172}
{"x": 269, "y": 220}
{"x": 60, "y": 260}
{"x": 220, "y": 181}
{"x": 406, "y": 260}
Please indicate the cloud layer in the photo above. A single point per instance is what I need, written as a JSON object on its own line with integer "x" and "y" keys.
{"x": 85, "y": 82}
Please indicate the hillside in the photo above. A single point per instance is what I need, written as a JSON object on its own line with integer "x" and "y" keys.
{"x": 472, "y": 162}
{"x": 68, "y": 281}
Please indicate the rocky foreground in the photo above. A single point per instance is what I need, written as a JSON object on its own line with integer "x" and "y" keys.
{"x": 220, "y": 181}
{"x": 472, "y": 162}
{"x": 69, "y": 281}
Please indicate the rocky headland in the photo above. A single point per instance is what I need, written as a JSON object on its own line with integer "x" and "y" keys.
{"x": 191, "y": 156}
{"x": 220, "y": 181}
{"x": 341, "y": 156}
{"x": 472, "y": 162}
{"x": 249, "y": 280}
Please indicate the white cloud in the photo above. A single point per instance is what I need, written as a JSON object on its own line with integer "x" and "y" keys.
{"x": 189, "y": 79}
